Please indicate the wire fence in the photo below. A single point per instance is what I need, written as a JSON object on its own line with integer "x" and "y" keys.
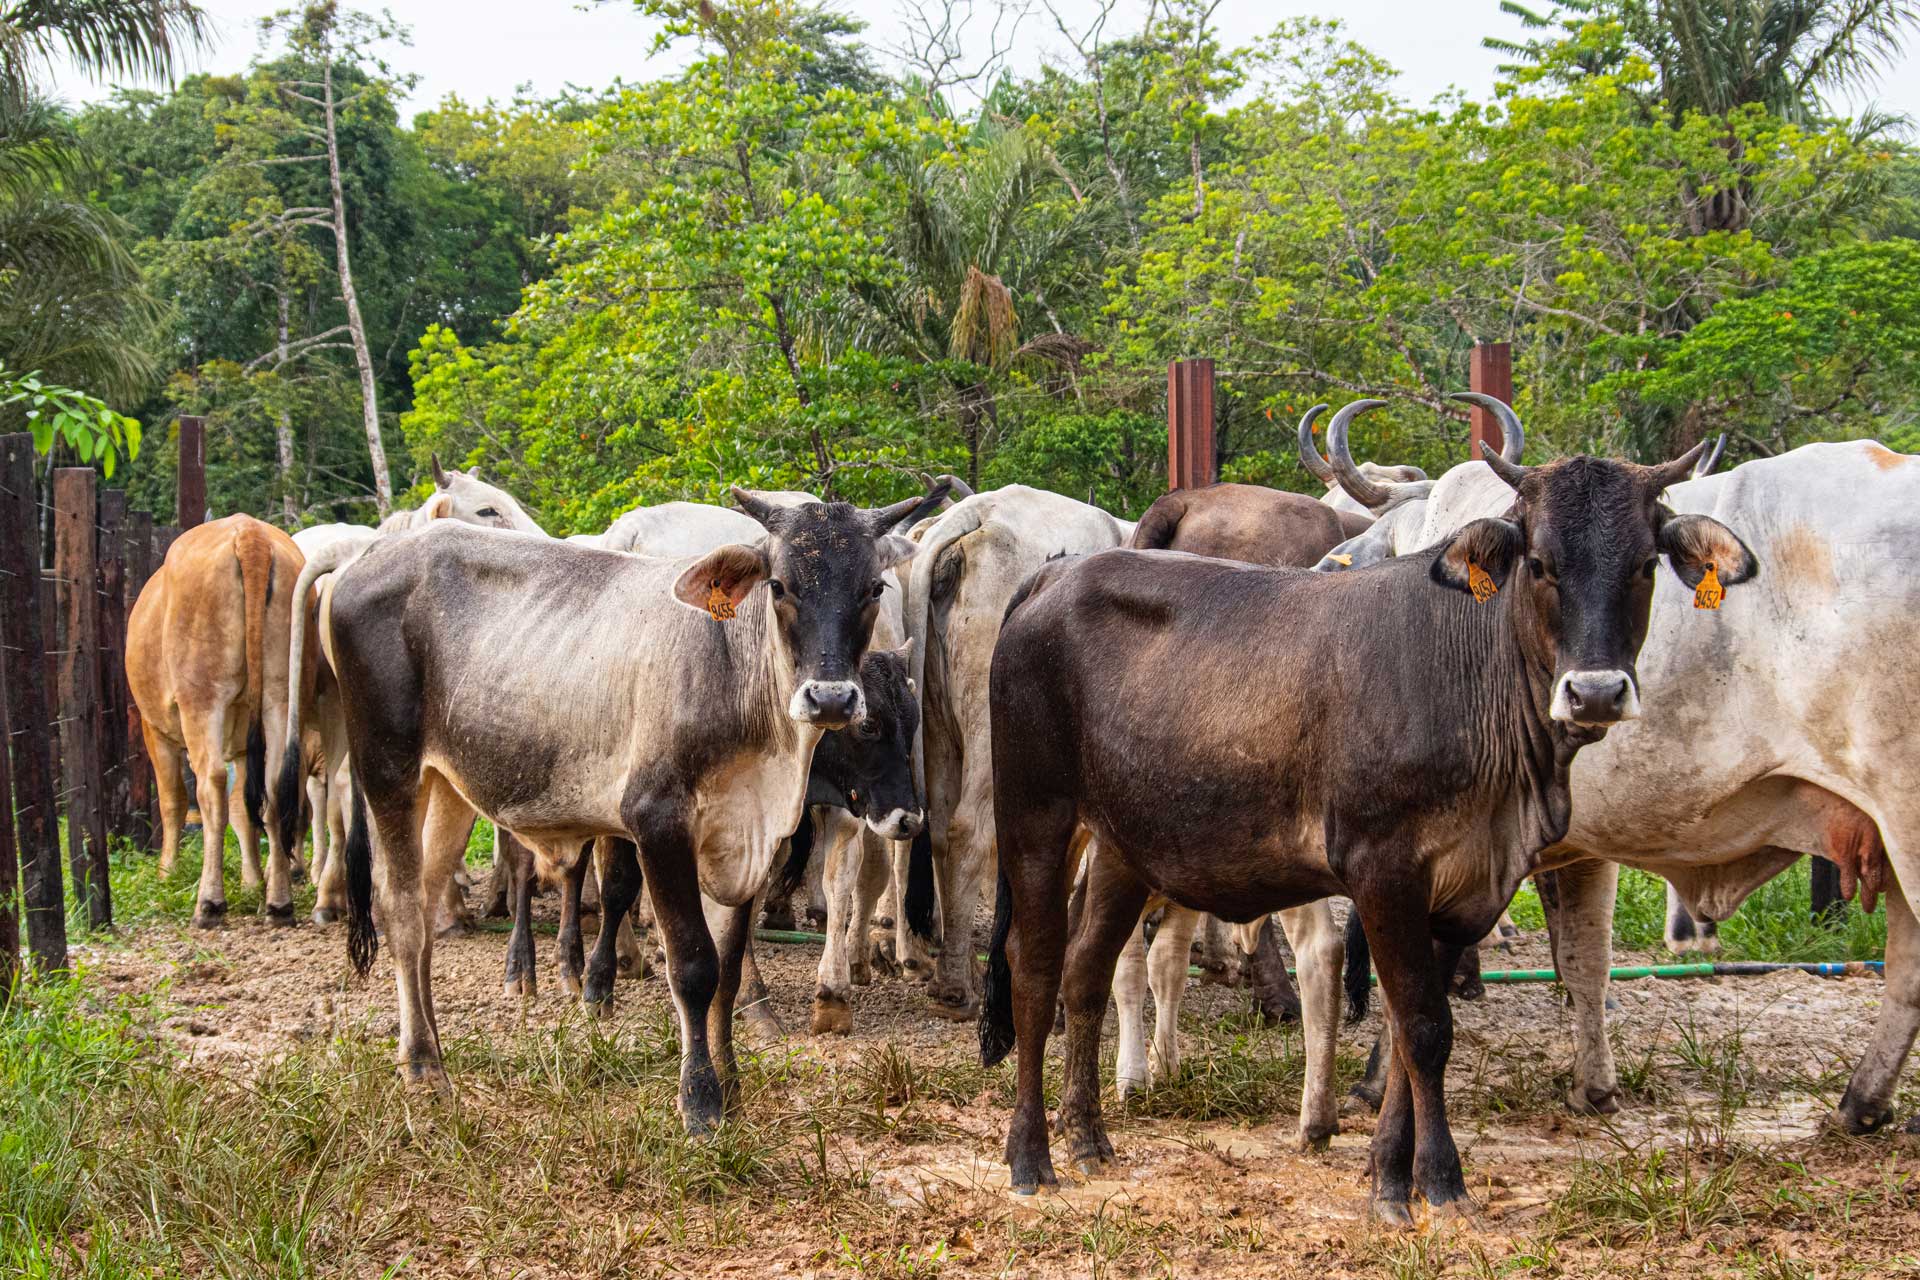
{"x": 76, "y": 749}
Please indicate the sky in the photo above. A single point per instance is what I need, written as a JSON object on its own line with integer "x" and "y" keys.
{"x": 483, "y": 49}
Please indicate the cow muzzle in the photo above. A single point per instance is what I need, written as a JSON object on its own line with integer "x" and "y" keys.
{"x": 829, "y": 704}
{"x": 1595, "y": 698}
{"x": 898, "y": 824}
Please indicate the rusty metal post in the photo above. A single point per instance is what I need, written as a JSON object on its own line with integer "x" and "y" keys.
{"x": 190, "y": 500}
{"x": 1191, "y": 462}
{"x": 74, "y": 563}
{"x": 30, "y": 707}
{"x": 1490, "y": 372}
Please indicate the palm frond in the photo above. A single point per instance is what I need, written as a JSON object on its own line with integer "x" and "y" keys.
{"x": 106, "y": 39}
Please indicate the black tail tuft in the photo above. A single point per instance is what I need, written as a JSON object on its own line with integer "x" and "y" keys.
{"x": 919, "y": 903}
{"x": 799, "y": 854}
{"x": 255, "y": 796}
{"x": 289, "y": 797}
{"x": 362, "y": 942}
{"x": 1359, "y": 975}
{"x": 996, "y": 1007}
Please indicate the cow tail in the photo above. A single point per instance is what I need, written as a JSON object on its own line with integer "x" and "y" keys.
{"x": 362, "y": 942}
{"x": 1359, "y": 975}
{"x": 919, "y": 901}
{"x": 996, "y": 1006}
{"x": 955, "y": 525}
{"x": 799, "y": 854}
{"x": 290, "y": 788}
{"x": 255, "y": 560}
{"x": 1158, "y": 527}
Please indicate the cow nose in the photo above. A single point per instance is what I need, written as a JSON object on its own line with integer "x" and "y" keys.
{"x": 1595, "y": 697}
{"x": 899, "y": 824}
{"x": 831, "y": 704}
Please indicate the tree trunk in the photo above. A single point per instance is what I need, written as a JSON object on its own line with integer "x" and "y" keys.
{"x": 282, "y": 420}
{"x": 369, "y": 403}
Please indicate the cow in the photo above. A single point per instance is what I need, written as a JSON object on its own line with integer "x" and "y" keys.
{"x": 207, "y": 663}
{"x": 673, "y": 704}
{"x": 970, "y": 565}
{"x": 460, "y": 496}
{"x": 1360, "y": 515}
{"x": 1242, "y": 739}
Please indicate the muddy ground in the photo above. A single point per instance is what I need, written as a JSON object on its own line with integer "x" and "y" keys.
{"x": 1720, "y": 1165}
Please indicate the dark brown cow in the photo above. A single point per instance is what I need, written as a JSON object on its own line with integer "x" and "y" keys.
{"x": 1245, "y": 739}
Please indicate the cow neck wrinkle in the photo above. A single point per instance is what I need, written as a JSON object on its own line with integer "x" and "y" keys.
{"x": 762, "y": 682}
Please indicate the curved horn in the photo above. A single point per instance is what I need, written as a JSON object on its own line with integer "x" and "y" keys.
{"x": 883, "y": 519}
{"x": 759, "y": 508}
{"x": 439, "y": 474}
{"x": 1310, "y": 452}
{"x": 1362, "y": 490}
{"x": 1710, "y": 459}
{"x": 1513, "y": 436}
{"x": 1679, "y": 469}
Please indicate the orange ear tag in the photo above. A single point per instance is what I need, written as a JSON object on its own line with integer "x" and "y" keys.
{"x": 1345, "y": 562}
{"x": 720, "y": 604}
{"x": 1480, "y": 582}
{"x": 1709, "y": 593}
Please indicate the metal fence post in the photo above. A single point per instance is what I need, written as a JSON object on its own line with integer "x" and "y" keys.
{"x": 190, "y": 486}
{"x": 1490, "y": 372}
{"x": 1191, "y": 461}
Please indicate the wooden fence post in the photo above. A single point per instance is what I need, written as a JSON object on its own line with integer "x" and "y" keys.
{"x": 139, "y": 566}
{"x": 190, "y": 492}
{"x": 1191, "y": 463}
{"x": 29, "y": 707}
{"x": 9, "y": 855}
{"x": 1490, "y": 372}
{"x": 74, "y": 554}
{"x": 111, "y": 574}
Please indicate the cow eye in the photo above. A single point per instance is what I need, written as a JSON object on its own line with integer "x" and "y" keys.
{"x": 867, "y": 728}
{"x": 1537, "y": 567}
{"x": 778, "y": 590}
{"x": 488, "y": 512}
{"x": 1653, "y": 562}
{"x": 878, "y": 589}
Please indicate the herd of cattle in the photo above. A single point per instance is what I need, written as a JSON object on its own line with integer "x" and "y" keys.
{"x": 1412, "y": 692}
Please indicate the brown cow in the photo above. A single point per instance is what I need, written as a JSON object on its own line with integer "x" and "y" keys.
{"x": 207, "y": 652}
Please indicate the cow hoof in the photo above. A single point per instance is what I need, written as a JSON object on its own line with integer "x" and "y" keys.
{"x": 859, "y": 975}
{"x": 832, "y": 1015}
{"x": 1093, "y": 1166}
{"x": 1594, "y": 1102}
{"x": 570, "y": 983}
{"x": 597, "y": 1007}
{"x": 1028, "y": 1182}
{"x": 326, "y": 915}
{"x": 1316, "y": 1140}
{"x": 523, "y": 986}
{"x": 1851, "y": 1118}
{"x": 762, "y": 1026}
{"x": 954, "y": 1006}
{"x": 1391, "y": 1213}
{"x": 1125, "y": 1087}
{"x": 458, "y": 927}
{"x": 777, "y": 917}
{"x": 280, "y": 917}
{"x": 1912, "y": 1126}
{"x": 1366, "y": 1094}
{"x": 1219, "y": 975}
{"x": 210, "y": 915}
{"x": 1460, "y": 1209}
{"x": 426, "y": 1075}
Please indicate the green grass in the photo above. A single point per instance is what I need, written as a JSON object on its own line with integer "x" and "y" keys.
{"x": 1773, "y": 924}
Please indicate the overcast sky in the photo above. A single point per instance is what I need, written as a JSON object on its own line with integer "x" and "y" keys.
{"x": 487, "y": 48}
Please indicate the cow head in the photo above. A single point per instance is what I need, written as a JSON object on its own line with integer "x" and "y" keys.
{"x": 867, "y": 768}
{"x": 464, "y": 496}
{"x": 821, "y": 564}
{"x": 1575, "y": 557}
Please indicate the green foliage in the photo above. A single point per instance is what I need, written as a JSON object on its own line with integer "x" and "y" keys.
{"x": 84, "y": 424}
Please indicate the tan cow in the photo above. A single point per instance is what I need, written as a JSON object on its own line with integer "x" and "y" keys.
{"x": 207, "y": 660}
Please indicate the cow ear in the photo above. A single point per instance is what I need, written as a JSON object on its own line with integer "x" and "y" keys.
{"x": 893, "y": 549}
{"x": 1691, "y": 543}
{"x": 724, "y": 574}
{"x": 438, "y": 507}
{"x": 1488, "y": 546}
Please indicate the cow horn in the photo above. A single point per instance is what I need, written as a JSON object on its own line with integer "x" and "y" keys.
{"x": 1679, "y": 469}
{"x": 1310, "y": 452}
{"x": 1363, "y": 491}
{"x": 1710, "y": 459}
{"x": 883, "y": 519}
{"x": 439, "y": 474}
{"x": 1513, "y": 436}
{"x": 757, "y": 507}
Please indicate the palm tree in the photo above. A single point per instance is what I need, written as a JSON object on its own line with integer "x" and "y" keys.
{"x": 72, "y": 301}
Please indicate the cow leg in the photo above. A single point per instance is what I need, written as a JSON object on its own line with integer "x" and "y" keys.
{"x": 171, "y": 786}
{"x": 667, "y": 863}
{"x": 1317, "y": 948}
{"x": 1129, "y": 999}
{"x": 1867, "y": 1104}
{"x": 397, "y": 822}
{"x": 1465, "y": 981}
{"x": 1580, "y": 920}
{"x": 244, "y": 833}
{"x": 317, "y": 826}
{"x": 619, "y": 886}
{"x": 833, "y": 995}
{"x": 330, "y": 881}
{"x": 629, "y": 960}
{"x": 1115, "y": 898}
{"x": 910, "y": 951}
{"x": 1413, "y": 1147}
{"x": 454, "y": 918}
{"x": 500, "y": 880}
{"x": 1167, "y": 965}
{"x": 872, "y": 858}
{"x": 732, "y": 940}
{"x": 515, "y": 865}
{"x": 1274, "y": 996}
{"x": 209, "y": 771}
{"x": 573, "y": 956}
{"x": 969, "y": 858}
{"x": 758, "y": 1012}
